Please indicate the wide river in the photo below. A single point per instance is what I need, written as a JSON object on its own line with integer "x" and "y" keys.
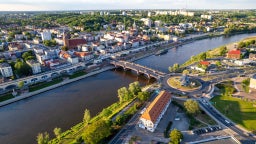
{"x": 63, "y": 107}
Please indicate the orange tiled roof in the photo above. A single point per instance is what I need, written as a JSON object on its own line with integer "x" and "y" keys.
{"x": 156, "y": 107}
{"x": 81, "y": 54}
{"x": 234, "y": 52}
{"x": 205, "y": 63}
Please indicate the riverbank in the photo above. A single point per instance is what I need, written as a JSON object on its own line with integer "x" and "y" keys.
{"x": 30, "y": 94}
{"x": 160, "y": 47}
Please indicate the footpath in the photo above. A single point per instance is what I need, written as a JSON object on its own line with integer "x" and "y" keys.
{"x": 30, "y": 94}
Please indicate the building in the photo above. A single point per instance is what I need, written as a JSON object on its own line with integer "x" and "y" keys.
{"x": 155, "y": 111}
{"x": 46, "y": 35}
{"x": 147, "y": 21}
{"x": 253, "y": 82}
{"x": 73, "y": 43}
{"x": 6, "y": 70}
{"x": 252, "y": 56}
{"x": 158, "y": 23}
{"x": 234, "y": 54}
{"x": 35, "y": 66}
{"x": 209, "y": 17}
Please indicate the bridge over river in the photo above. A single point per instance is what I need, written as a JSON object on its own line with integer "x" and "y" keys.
{"x": 139, "y": 69}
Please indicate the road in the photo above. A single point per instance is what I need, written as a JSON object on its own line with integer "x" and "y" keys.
{"x": 246, "y": 138}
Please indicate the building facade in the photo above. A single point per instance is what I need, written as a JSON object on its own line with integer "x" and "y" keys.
{"x": 234, "y": 54}
{"x": 46, "y": 35}
{"x": 253, "y": 82}
{"x": 35, "y": 66}
{"x": 155, "y": 111}
{"x": 6, "y": 70}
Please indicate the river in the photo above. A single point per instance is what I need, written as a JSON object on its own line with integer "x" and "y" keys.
{"x": 63, "y": 107}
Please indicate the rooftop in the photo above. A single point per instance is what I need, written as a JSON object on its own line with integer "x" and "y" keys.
{"x": 156, "y": 107}
{"x": 236, "y": 52}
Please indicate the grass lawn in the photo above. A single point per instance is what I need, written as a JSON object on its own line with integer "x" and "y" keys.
{"x": 77, "y": 74}
{"x": 6, "y": 97}
{"x": 174, "y": 82}
{"x": 239, "y": 111}
{"x": 44, "y": 84}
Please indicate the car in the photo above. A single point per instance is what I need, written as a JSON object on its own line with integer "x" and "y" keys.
{"x": 227, "y": 121}
{"x": 177, "y": 118}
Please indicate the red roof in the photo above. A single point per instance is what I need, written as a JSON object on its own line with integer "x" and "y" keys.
{"x": 156, "y": 107}
{"x": 81, "y": 54}
{"x": 205, "y": 63}
{"x": 76, "y": 42}
{"x": 234, "y": 52}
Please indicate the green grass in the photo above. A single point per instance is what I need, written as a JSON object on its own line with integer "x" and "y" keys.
{"x": 6, "y": 97}
{"x": 44, "y": 84}
{"x": 77, "y": 74}
{"x": 239, "y": 111}
{"x": 175, "y": 83}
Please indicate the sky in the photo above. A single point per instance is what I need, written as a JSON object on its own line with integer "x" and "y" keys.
{"x": 38, "y": 5}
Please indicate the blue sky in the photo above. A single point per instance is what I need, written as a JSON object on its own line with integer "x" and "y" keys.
{"x": 26, "y": 5}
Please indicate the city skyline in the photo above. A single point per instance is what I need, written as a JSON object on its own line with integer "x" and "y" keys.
{"x": 48, "y": 5}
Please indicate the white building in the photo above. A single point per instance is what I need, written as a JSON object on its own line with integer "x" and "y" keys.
{"x": 155, "y": 111}
{"x": 147, "y": 21}
{"x": 46, "y": 35}
{"x": 6, "y": 70}
{"x": 158, "y": 23}
{"x": 36, "y": 66}
{"x": 253, "y": 82}
{"x": 209, "y": 17}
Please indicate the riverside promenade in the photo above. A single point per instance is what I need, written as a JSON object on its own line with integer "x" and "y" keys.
{"x": 30, "y": 94}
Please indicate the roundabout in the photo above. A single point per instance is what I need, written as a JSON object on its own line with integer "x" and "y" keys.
{"x": 184, "y": 83}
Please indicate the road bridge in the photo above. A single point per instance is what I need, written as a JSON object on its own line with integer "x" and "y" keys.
{"x": 139, "y": 69}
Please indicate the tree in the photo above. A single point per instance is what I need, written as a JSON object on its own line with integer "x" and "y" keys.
{"x": 96, "y": 132}
{"x": 223, "y": 50}
{"x": 185, "y": 72}
{"x": 134, "y": 88}
{"x": 174, "y": 68}
{"x": 57, "y": 132}
{"x": 64, "y": 48}
{"x": 123, "y": 94}
{"x": 87, "y": 116}
{"x": 43, "y": 138}
{"x": 22, "y": 68}
{"x": 218, "y": 63}
{"x": 143, "y": 96}
{"x": 176, "y": 136}
{"x": 202, "y": 56}
{"x": 191, "y": 106}
{"x": 20, "y": 84}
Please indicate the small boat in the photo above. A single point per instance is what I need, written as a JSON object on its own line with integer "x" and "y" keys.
{"x": 161, "y": 52}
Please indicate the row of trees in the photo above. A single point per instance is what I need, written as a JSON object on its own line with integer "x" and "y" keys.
{"x": 99, "y": 128}
{"x": 125, "y": 94}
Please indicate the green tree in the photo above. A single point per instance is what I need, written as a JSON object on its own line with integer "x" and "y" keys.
{"x": 124, "y": 94}
{"x": 22, "y": 68}
{"x": 20, "y": 84}
{"x": 143, "y": 96}
{"x": 174, "y": 68}
{"x": 218, "y": 63}
{"x": 176, "y": 136}
{"x": 223, "y": 51}
{"x": 64, "y": 48}
{"x": 43, "y": 138}
{"x": 185, "y": 72}
{"x": 87, "y": 116}
{"x": 191, "y": 106}
{"x": 57, "y": 132}
{"x": 96, "y": 132}
{"x": 134, "y": 88}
